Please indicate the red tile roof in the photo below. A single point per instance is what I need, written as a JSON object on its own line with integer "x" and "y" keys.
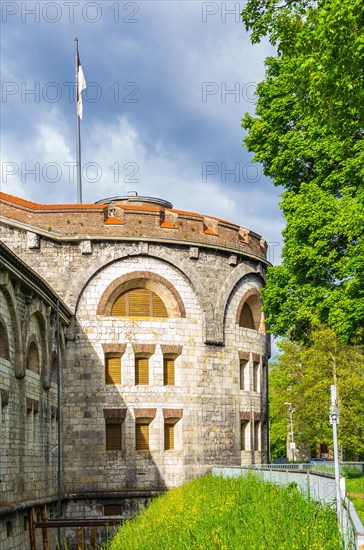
{"x": 36, "y": 206}
{"x": 113, "y": 221}
{"x": 168, "y": 225}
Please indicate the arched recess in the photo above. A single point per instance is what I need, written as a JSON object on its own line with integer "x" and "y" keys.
{"x": 54, "y": 367}
{"x": 4, "y": 341}
{"x": 184, "y": 267}
{"x": 38, "y": 331}
{"x": 8, "y": 290}
{"x": 215, "y": 330}
{"x": 249, "y": 313}
{"x": 32, "y": 357}
{"x": 144, "y": 280}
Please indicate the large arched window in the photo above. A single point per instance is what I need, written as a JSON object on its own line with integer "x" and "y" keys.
{"x": 250, "y": 311}
{"x": 139, "y": 302}
{"x": 141, "y": 294}
{"x": 4, "y": 343}
{"x": 33, "y": 358}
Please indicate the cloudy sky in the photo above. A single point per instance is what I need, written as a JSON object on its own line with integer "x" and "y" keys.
{"x": 168, "y": 82}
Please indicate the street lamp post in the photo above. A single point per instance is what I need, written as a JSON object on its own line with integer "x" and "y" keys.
{"x": 292, "y": 444}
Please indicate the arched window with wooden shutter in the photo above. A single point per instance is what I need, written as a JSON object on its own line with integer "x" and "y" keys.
{"x": 141, "y": 370}
{"x": 4, "y": 343}
{"x": 33, "y": 358}
{"x": 112, "y": 369}
{"x": 139, "y": 302}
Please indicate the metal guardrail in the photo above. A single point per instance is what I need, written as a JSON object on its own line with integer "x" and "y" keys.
{"x": 315, "y": 466}
{"x": 320, "y": 485}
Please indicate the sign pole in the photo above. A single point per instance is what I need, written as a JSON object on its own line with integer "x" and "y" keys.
{"x": 334, "y": 421}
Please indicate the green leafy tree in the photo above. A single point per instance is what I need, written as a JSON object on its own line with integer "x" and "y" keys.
{"x": 303, "y": 375}
{"x": 308, "y": 134}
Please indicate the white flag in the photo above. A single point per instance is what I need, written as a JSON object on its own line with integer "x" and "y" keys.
{"x": 81, "y": 85}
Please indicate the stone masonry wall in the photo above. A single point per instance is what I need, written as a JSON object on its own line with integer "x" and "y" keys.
{"x": 203, "y": 286}
{"x": 28, "y": 419}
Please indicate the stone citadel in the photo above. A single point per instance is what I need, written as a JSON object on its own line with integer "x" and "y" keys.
{"x": 150, "y": 318}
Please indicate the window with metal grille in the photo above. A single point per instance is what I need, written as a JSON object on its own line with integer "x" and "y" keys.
{"x": 113, "y": 436}
{"x": 141, "y": 371}
{"x": 33, "y": 358}
{"x": 244, "y": 375}
{"x": 112, "y": 369}
{"x": 4, "y": 342}
{"x": 142, "y": 436}
{"x": 256, "y": 377}
{"x": 168, "y": 370}
{"x": 243, "y": 435}
{"x": 139, "y": 302}
{"x": 112, "y": 510}
{"x": 168, "y": 436}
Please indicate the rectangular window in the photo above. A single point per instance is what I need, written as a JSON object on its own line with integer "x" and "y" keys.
{"x": 168, "y": 371}
{"x": 256, "y": 435}
{"x": 141, "y": 371}
{"x": 243, "y": 435}
{"x": 142, "y": 437}
{"x": 243, "y": 375}
{"x": 168, "y": 437}
{"x": 113, "y": 436}
{"x": 256, "y": 377}
{"x": 112, "y": 510}
{"x": 112, "y": 369}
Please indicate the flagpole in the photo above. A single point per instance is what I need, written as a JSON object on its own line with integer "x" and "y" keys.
{"x": 78, "y": 135}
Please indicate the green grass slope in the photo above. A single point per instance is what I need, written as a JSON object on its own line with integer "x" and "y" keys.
{"x": 242, "y": 513}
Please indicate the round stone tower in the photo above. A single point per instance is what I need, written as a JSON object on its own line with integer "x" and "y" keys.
{"x": 164, "y": 372}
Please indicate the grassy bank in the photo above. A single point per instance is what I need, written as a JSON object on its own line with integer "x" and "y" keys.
{"x": 214, "y": 513}
{"x": 356, "y": 487}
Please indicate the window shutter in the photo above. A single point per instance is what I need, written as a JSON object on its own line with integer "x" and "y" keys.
{"x": 158, "y": 307}
{"x": 168, "y": 437}
{"x": 246, "y": 317}
{"x": 168, "y": 371}
{"x": 119, "y": 307}
{"x": 112, "y": 370}
{"x": 142, "y": 437}
{"x": 139, "y": 302}
{"x": 113, "y": 437}
{"x": 141, "y": 371}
